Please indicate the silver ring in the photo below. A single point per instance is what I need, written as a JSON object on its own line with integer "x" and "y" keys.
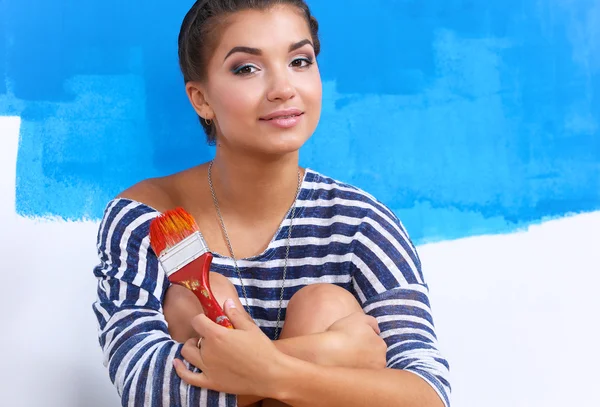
{"x": 199, "y": 344}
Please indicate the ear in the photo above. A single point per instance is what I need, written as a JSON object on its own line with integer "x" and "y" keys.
{"x": 196, "y": 95}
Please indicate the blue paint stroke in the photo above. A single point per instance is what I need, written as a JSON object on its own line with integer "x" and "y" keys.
{"x": 465, "y": 118}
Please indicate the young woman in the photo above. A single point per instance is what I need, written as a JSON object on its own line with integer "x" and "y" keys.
{"x": 291, "y": 245}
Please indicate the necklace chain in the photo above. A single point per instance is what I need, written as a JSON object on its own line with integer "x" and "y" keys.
{"x": 228, "y": 242}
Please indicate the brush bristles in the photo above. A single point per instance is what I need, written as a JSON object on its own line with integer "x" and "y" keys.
{"x": 170, "y": 228}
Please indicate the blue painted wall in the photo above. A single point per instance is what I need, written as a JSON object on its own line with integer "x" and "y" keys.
{"x": 465, "y": 117}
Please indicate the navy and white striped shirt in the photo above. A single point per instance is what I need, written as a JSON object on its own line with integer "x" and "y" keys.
{"x": 340, "y": 235}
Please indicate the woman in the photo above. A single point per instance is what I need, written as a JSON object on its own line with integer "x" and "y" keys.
{"x": 290, "y": 245}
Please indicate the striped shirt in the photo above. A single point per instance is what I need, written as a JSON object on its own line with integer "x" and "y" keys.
{"x": 340, "y": 235}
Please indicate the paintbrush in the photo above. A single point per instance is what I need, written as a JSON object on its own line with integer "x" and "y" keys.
{"x": 184, "y": 255}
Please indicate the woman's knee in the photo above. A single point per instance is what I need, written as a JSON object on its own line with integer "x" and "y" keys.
{"x": 222, "y": 288}
{"x": 315, "y": 307}
{"x": 181, "y": 305}
{"x": 324, "y": 297}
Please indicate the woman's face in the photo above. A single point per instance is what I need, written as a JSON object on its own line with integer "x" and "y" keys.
{"x": 263, "y": 86}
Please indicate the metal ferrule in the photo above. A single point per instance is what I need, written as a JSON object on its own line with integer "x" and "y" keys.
{"x": 183, "y": 253}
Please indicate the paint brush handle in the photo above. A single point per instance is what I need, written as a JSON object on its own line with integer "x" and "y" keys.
{"x": 195, "y": 276}
{"x": 212, "y": 309}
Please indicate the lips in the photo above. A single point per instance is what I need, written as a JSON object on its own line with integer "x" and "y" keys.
{"x": 282, "y": 117}
{"x": 283, "y": 114}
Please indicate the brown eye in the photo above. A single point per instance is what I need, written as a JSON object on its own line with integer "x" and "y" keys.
{"x": 301, "y": 63}
{"x": 244, "y": 70}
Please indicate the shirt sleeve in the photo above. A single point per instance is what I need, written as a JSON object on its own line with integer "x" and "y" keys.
{"x": 389, "y": 283}
{"x": 138, "y": 350}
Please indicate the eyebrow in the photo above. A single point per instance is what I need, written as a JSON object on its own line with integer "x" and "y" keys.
{"x": 257, "y": 51}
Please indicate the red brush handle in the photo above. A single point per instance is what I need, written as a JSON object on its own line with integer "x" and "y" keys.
{"x": 196, "y": 277}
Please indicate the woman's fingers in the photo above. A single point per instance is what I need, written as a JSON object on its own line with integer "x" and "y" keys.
{"x": 195, "y": 379}
{"x": 192, "y": 353}
{"x": 205, "y": 327}
{"x": 239, "y": 319}
{"x": 236, "y": 361}
{"x": 373, "y": 324}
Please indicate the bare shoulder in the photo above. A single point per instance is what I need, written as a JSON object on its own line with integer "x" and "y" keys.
{"x": 153, "y": 192}
{"x": 162, "y": 193}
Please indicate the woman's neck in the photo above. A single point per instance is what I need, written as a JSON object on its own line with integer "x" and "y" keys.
{"x": 255, "y": 188}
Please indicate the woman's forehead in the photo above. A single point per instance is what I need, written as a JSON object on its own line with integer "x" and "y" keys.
{"x": 280, "y": 25}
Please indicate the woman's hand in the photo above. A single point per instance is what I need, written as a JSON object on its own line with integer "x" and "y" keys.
{"x": 236, "y": 361}
{"x": 354, "y": 342}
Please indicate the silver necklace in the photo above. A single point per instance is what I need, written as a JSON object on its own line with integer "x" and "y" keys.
{"x": 228, "y": 242}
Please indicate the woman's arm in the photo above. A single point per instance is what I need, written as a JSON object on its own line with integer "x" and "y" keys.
{"x": 138, "y": 350}
{"x": 391, "y": 288}
{"x": 304, "y": 384}
{"x": 228, "y": 366}
{"x": 325, "y": 348}
{"x": 338, "y": 346}
{"x": 180, "y": 306}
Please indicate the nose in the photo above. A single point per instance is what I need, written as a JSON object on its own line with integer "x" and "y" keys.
{"x": 280, "y": 87}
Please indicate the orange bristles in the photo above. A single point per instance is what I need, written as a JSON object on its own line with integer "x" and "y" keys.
{"x": 170, "y": 228}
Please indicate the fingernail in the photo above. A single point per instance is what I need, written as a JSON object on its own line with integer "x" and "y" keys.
{"x": 175, "y": 363}
{"x": 230, "y": 304}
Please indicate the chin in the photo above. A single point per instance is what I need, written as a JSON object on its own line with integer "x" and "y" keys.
{"x": 273, "y": 140}
{"x": 284, "y": 142}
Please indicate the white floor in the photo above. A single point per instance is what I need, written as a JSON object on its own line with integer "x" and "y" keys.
{"x": 517, "y": 315}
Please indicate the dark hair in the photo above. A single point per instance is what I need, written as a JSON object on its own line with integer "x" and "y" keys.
{"x": 198, "y": 35}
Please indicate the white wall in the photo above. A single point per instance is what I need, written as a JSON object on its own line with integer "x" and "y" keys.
{"x": 516, "y": 314}
{"x": 49, "y": 345}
